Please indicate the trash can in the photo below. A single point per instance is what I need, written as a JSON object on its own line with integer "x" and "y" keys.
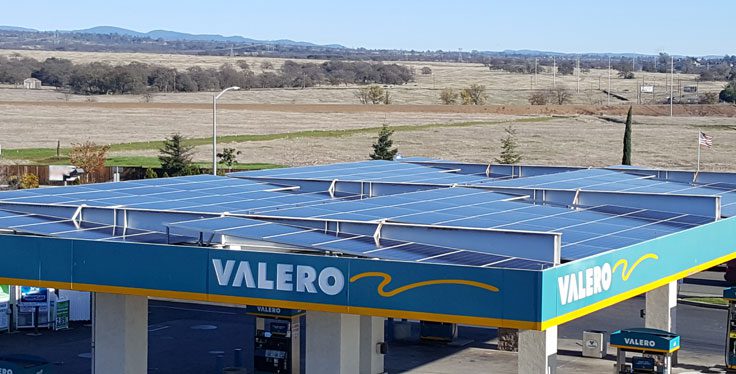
{"x": 595, "y": 344}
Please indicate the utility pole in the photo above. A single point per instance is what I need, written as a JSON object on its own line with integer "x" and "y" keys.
{"x": 578, "y": 80}
{"x": 554, "y": 72}
{"x": 535, "y": 71}
{"x": 608, "y": 97}
{"x": 672, "y": 81}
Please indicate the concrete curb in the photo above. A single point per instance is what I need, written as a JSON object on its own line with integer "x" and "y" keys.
{"x": 702, "y": 305}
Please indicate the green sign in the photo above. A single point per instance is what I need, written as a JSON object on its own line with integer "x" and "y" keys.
{"x": 62, "y": 315}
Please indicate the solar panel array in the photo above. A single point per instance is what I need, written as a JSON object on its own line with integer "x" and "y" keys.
{"x": 351, "y": 244}
{"x": 375, "y": 171}
{"x": 66, "y": 228}
{"x": 585, "y": 231}
{"x": 609, "y": 180}
{"x": 200, "y": 193}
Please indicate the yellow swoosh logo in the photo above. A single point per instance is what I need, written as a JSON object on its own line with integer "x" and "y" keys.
{"x": 387, "y": 279}
{"x": 624, "y": 264}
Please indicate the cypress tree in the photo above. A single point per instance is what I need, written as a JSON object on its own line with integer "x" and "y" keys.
{"x": 626, "y": 159}
{"x": 382, "y": 147}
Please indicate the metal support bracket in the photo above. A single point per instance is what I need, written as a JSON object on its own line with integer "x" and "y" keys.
{"x": 377, "y": 234}
{"x": 331, "y": 190}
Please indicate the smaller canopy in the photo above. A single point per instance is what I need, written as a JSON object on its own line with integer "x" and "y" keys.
{"x": 645, "y": 340}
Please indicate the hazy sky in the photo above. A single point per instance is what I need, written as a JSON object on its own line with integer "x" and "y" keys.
{"x": 676, "y": 27}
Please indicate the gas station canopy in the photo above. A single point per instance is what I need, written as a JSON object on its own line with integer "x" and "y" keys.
{"x": 525, "y": 247}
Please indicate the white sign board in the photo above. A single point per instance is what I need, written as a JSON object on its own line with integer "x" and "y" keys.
{"x": 4, "y": 316}
{"x": 56, "y": 172}
{"x": 647, "y": 89}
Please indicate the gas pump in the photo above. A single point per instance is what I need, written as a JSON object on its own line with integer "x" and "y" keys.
{"x": 651, "y": 350}
{"x": 277, "y": 340}
{"x": 730, "y": 295}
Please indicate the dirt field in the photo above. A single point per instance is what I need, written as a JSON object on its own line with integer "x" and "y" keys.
{"x": 38, "y": 118}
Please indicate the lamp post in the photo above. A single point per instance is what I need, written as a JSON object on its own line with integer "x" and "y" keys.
{"x": 214, "y": 126}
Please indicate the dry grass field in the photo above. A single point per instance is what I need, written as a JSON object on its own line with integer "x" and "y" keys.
{"x": 38, "y": 118}
{"x": 42, "y": 126}
{"x": 580, "y": 141}
{"x": 503, "y": 88}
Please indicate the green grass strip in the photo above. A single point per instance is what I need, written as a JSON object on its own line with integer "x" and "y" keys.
{"x": 708, "y": 300}
{"x": 48, "y": 155}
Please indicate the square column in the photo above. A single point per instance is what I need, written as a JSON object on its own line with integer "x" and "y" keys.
{"x": 538, "y": 351}
{"x": 371, "y": 334}
{"x": 660, "y": 308}
{"x": 119, "y": 334}
{"x": 333, "y": 343}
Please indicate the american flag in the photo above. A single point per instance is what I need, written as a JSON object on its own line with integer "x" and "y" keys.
{"x": 705, "y": 140}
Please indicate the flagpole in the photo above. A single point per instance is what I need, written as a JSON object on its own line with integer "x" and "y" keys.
{"x": 697, "y": 171}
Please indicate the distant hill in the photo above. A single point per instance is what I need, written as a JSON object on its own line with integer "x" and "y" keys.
{"x": 175, "y": 36}
{"x": 109, "y": 30}
{"x": 532, "y": 53}
{"x": 16, "y": 28}
{"x": 122, "y": 39}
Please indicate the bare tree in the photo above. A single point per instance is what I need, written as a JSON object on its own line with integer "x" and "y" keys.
{"x": 147, "y": 97}
{"x": 448, "y": 96}
{"x": 373, "y": 95}
{"x": 474, "y": 95}
{"x": 539, "y": 98}
{"x": 561, "y": 95}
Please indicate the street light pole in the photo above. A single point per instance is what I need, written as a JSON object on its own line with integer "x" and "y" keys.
{"x": 214, "y": 126}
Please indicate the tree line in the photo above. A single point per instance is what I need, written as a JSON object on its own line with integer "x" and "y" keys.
{"x": 712, "y": 69}
{"x": 135, "y": 77}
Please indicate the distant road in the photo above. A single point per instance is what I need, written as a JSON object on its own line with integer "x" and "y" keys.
{"x": 651, "y": 110}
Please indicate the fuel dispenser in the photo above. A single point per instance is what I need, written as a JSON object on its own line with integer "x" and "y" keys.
{"x": 651, "y": 350}
{"x": 277, "y": 340}
{"x": 730, "y": 295}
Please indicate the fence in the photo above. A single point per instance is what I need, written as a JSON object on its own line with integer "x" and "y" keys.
{"x": 105, "y": 175}
{"x": 42, "y": 172}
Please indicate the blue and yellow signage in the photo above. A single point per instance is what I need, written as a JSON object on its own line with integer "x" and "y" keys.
{"x": 480, "y": 296}
{"x": 524, "y": 299}
{"x": 645, "y": 340}
{"x": 593, "y": 283}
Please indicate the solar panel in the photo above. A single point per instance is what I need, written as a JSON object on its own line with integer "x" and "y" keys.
{"x": 335, "y": 242}
{"x": 609, "y": 180}
{"x": 466, "y": 207}
{"x": 375, "y": 171}
{"x": 585, "y": 230}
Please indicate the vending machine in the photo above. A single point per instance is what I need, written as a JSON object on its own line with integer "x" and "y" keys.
{"x": 277, "y": 340}
{"x": 35, "y": 308}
